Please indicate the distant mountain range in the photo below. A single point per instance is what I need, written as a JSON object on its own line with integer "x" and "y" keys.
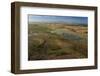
{"x": 71, "y": 24}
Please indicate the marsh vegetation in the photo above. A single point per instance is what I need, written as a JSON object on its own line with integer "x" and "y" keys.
{"x": 57, "y": 41}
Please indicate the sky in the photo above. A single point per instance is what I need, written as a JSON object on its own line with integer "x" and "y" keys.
{"x": 58, "y": 19}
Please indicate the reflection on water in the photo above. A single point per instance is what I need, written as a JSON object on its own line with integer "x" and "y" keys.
{"x": 71, "y": 36}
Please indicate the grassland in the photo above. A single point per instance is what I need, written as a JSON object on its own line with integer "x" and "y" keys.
{"x": 56, "y": 41}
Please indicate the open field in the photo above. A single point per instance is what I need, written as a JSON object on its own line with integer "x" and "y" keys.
{"x": 57, "y": 41}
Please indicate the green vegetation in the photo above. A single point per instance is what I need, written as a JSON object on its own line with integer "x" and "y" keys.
{"x": 56, "y": 41}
